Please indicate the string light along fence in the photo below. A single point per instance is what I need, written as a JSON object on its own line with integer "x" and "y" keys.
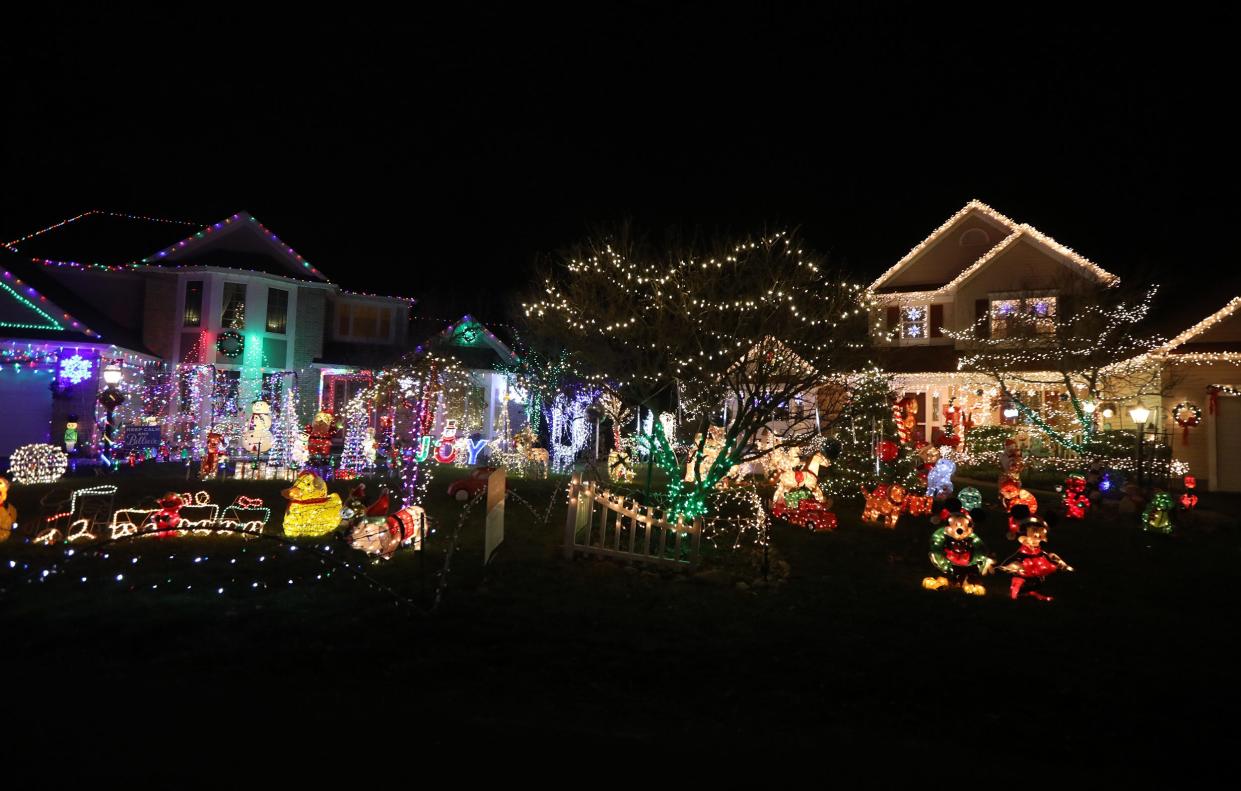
{"x": 599, "y": 523}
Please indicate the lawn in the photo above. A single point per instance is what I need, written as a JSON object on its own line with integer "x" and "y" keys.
{"x": 222, "y": 638}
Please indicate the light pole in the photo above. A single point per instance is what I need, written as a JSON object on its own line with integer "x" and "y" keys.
{"x": 1139, "y": 414}
{"x": 110, "y": 399}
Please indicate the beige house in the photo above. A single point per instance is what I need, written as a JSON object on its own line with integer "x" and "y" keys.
{"x": 1202, "y": 375}
{"x": 977, "y": 269}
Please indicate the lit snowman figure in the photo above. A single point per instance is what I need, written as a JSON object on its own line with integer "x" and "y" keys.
{"x": 257, "y": 437}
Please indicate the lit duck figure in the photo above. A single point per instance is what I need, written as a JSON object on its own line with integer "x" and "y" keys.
{"x": 312, "y": 511}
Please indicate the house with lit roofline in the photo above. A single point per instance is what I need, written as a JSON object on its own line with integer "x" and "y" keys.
{"x": 979, "y": 268}
{"x": 218, "y": 314}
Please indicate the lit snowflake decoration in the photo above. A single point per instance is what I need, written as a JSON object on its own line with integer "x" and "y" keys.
{"x": 75, "y": 369}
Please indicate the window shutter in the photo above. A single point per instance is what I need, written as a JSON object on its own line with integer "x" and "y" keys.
{"x": 937, "y": 321}
{"x": 982, "y": 310}
{"x": 894, "y": 318}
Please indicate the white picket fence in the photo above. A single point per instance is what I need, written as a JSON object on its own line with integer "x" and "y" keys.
{"x": 599, "y": 523}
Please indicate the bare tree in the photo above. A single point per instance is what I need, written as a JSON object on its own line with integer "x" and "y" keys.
{"x": 735, "y": 330}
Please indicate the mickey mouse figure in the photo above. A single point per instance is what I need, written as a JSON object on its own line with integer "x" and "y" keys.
{"x": 1032, "y": 564}
{"x": 959, "y": 555}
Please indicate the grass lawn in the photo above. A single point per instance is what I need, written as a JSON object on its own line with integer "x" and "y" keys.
{"x": 543, "y": 658}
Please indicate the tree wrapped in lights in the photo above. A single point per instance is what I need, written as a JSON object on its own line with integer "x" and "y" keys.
{"x": 1083, "y": 345}
{"x": 541, "y": 372}
{"x": 353, "y": 457}
{"x": 737, "y": 332}
{"x": 414, "y": 393}
{"x": 285, "y": 430}
{"x": 866, "y": 434}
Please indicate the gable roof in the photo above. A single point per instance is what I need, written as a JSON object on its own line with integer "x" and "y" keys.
{"x": 103, "y": 240}
{"x": 472, "y": 343}
{"x": 27, "y": 311}
{"x": 1200, "y": 328}
{"x": 1015, "y": 231}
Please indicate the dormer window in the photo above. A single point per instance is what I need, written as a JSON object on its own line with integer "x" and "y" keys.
{"x": 1024, "y": 313}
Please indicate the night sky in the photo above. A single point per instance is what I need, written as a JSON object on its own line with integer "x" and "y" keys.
{"x": 441, "y": 155}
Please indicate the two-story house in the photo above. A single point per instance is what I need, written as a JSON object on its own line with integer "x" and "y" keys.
{"x": 205, "y": 319}
{"x": 977, "y": 270}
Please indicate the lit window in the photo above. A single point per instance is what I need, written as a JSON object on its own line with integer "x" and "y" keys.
{"x": 277, "y": 310}
{"x": 233, "y": 316}
{"x": 193, "y": 315}
{"x": 1034, "y": 314}
{"x": 914, "y": 321}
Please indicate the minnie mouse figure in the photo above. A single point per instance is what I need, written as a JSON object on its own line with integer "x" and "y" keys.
{"x": 1032, "y": 564}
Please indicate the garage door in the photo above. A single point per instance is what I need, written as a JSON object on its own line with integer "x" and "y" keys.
{"x": 1228, "y": 446}
{"x": 27, "y": 409}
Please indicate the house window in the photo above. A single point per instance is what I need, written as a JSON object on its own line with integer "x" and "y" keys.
{"x": 914, "y": 321}
{"x": 1035, "y": 314}
{"x": 360, "y": 321}
{"x": 193, "y": 314}
{"x": 277, "y": 310}
{"x": 233, "y": 316}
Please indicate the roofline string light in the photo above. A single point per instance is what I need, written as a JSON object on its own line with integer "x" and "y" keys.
{"x": 53, "y": 324}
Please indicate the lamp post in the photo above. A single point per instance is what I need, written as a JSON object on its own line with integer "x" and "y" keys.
{"x": 1139, "y": 414}
{"x": 110, "y": 399}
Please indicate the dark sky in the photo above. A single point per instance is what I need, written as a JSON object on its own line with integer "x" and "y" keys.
{"x": 439, "y": 155}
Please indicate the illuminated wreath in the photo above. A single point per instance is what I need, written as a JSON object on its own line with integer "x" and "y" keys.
{"x": 1187, "y": 415}
{"x": 231, "y": 343}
